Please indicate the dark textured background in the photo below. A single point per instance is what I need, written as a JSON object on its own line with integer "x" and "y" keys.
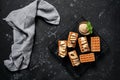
{"x": 105, "y": 17}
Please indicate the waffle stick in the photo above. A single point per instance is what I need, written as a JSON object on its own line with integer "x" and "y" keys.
{"x": 95, "y": 44}
{"x": 74, "y": 58}
{"x": 62, "y": 48}
{"x": 72, "y": 38}
{"x": 84, "y": 58}
{"x": 83, "y": 44}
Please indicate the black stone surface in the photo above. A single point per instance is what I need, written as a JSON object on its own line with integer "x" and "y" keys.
{"x": 105, "y": 17}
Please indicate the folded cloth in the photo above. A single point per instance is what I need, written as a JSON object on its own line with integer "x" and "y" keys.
{"x": 23, "y": 23}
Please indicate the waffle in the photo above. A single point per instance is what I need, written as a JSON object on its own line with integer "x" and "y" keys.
{"x": 72, "y": 38}
{"x": 84, "y": 58}
{"x": 83, "y": 44}
{"x": 62, "y": 48}
{"x": 95, "y": 44}
{"x": 74, "y": 58}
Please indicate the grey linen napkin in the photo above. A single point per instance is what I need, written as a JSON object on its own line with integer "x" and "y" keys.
{"x": 23, "y": 23}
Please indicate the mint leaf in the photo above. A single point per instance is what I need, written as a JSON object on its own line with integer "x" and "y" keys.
{"x": 89, "y": 27}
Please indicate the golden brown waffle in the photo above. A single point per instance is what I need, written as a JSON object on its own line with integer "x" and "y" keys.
{"x": 83, "y": 44}
{"x": 87, "y": 57}
{"x": 72, "y": 38}
{"x": 95, "y": 44}
{"x": 62, "y": 48}
{"x": 74, "y": 58}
